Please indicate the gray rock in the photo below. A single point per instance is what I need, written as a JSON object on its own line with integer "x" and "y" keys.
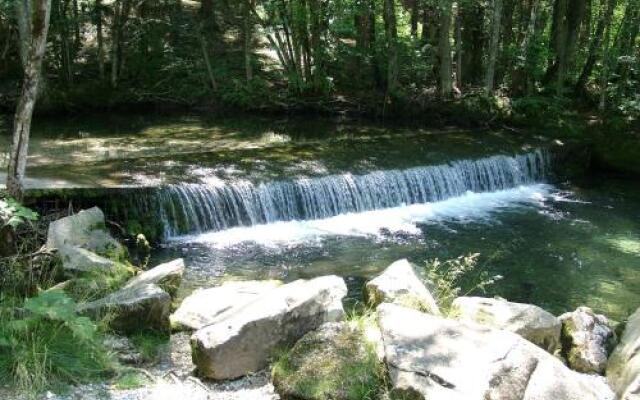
{"x": 400, "y": 284}
{"x": 333, "y": 362}
{"x": 124, "y": 350}
{"x": 78, "y": 259}
{"x": 85, "y": 229}
{"x": 429, "y": 357}
{"x": 168, "y": 276}
{"x": 243, "y": 342}
{"x": 529, "y": 321}
{"x": 623, "y": 369}
{"x": 204, "y": 306}
{"x": 132, "y": 309}
{"x": 586, "y": 340}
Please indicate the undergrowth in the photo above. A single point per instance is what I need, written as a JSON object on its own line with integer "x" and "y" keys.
{"x": 44, "y": 344}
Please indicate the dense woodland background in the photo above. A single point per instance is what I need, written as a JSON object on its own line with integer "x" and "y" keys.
{"x": 435, "y": 58}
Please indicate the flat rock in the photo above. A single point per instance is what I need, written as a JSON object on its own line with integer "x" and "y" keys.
{"x": 586, "y": 340}
{"x": 400, "y": 284}
{"x": 86, "y": 230}
{"x": 529, "y": 321}
{"x": 168, "y": 276}
{"x": 82, "y": 260}
{"x": 204, "y": 306}
{"x": 623, "y": 369}
{"x": 244, "y": 342}
{"x": 333, "y": 362}
{"x": 132, "y": 309}
{"x": 430, "y": 357}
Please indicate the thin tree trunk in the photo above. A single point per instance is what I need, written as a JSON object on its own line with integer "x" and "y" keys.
{"x": 207, "y": 61}
{"x": 604, "y": 75}
{"x": 36, "y": 43}
{"x": 115, "y": 41}
{"x": 594, "y": 47}
{"x": 248, "y": 39}
{"x": 496, "y": 16}
{"x": 458, "y": 48}
{"x": 392, "y": 45}
{"x": 444, "y": 49}
{"x": 415, "y": 15}
{"x": 98, "y": 11}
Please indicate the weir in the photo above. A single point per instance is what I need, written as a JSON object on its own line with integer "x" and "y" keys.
{"x": 196, "y": 208}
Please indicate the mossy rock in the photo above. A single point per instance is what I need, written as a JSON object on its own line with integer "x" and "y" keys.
{"x": 335, "y": 362}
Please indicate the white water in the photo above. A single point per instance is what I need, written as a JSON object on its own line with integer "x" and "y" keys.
{"x": 219, "y": 207}
{"x": 405, "y": 219}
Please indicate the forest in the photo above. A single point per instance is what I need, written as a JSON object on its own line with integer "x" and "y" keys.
{"x": 383, "y": 58}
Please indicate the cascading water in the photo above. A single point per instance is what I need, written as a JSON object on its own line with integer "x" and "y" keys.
{"x": 194, "y": 208}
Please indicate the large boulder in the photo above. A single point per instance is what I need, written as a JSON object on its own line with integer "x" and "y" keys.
{"x": 86, "y": 230}
{"x": 244, "y": 341}
{"x": 205, "y": 306}
{"x": 623, "y": 370}
{"x": 77, "y": 259}
{"x": 586, "y": 340}
{"x": 168, "y": 276}
{"x": 529, "y": 321}
{"x": 400, "y": 284}
{"x": 430, "y": 357}
{"x": 132, "y": 309}
{"x": 334, "y": 362}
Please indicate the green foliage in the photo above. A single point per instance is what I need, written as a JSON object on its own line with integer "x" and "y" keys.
{"x": 14, "y": 214}
{"x": 97, "y": 283}
{"x": 457, "y": 277}
{"x": 44, "y": 343}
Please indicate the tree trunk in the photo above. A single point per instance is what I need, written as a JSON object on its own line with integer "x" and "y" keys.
{"x": 444, "y": 49}
{"x": 594, "y": 47}
{"x": 115, "y": 42}
{"x": 496, "y": 16}
{"x": 415, "y": 15}
{"x": 459, "y": 51}
{"x": 98, "y": 14}
{"x": 248, "y": 39}
{"x": 391, "y": 32}
{"x": 36, "y": 43}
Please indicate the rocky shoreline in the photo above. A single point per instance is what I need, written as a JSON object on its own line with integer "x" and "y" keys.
{"x": 270, "y": 340}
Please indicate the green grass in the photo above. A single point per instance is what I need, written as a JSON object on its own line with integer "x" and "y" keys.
{"x": 45, "y": 345}
{"x": 150, "y": 344}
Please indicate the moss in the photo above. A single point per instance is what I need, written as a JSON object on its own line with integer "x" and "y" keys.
{"x": 131, "y": 380}
{"x": 151, "y": 344}
{"x": 340, "y": 365}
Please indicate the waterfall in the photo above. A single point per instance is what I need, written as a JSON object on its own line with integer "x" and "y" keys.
{"x": 192, "y": 208}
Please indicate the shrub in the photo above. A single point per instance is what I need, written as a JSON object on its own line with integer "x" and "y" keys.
{"x": 44, "y": 344}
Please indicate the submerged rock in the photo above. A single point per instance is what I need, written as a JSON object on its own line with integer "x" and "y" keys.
{"x": 244, "y": 341}
{"x": 168, "y": 276}
{"x": 86, "y": 230}
{"x": 429, "y": 357}
{"x": 132, "y": 309}
{"x": 623, "y": 369}
{"x": 81, "y": 260}
{"x": 204, "y": 306}
{"x": 334, "y": 362}
{"x": 400, "y": 284}
{"x": 531, "y": 322}
{"x": 586, "y": 340}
